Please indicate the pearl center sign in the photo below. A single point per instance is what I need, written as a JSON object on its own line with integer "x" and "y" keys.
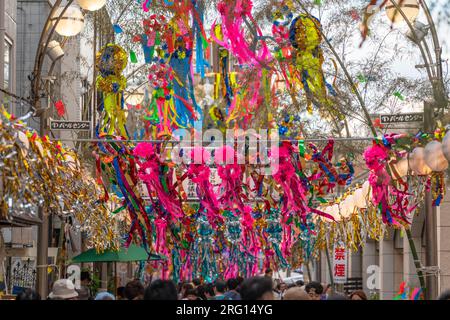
{"x": 401, "y": 118}
{"x": 70, "y": 125}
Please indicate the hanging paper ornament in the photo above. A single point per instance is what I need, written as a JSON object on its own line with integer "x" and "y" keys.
{"x": 111, "y": 60}
{"x": 377, "y": 123}
{"x": 306, "y": 37}
{"x": 399, "y": 96}
{"x": 60, "y": 108}
{"x": 117, "y": 29}
{"x": 355, "y": 15}
{"x": 133, "y": 57}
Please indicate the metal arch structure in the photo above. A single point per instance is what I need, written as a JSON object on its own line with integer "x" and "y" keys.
{"x": 434, "y": 68}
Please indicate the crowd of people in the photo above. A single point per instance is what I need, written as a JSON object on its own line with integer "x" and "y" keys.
{"x": 255, "y": 288}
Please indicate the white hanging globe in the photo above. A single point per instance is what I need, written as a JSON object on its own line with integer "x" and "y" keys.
{"x": 401, "y": 167}
{"x": 71, "y": 22}
{"x": 91, "y": 5}
{"x": 434, "y": 157}
{"x": 410, "y": 8}
{"x": 417, "y": 162}
{"x": 360, "y": 199}
{"x": 446, "y": 146}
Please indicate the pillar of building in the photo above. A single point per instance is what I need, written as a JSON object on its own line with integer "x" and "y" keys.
{"x": 355, "y": 264}
{"x": 443, "y": 231}
{"x": 391, "y": 267}
{"x": 370, "y": 267}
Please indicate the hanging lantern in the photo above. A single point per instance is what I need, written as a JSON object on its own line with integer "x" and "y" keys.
{"x": 401, "y": 167}
{"x": 417, "y": 162}
{"x": 365, "y": 188}
{"x": 91, "y": 5}
{"x": 334, "y": 212}
{"x": 434, "y": 156}
{"x": 326, "y": 210}
{"x": 71, "y": 23}
{"x": 135, "y": 96}
{"x": 360, "y": 199}
{"x": 410, "y": 8}
{"x": 347, "y": 207}
{"x": 446, "y": 146}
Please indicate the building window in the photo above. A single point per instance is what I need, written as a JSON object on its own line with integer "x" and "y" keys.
{"x": 7, "y": 65}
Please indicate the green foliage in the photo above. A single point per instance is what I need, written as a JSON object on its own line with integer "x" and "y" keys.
{"x": 95, "y": 283}
{"x": 375, "y": 295}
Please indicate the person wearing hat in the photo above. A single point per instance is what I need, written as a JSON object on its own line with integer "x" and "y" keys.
{"x": 104, "y": 296}
{"x": 63, "y": 289}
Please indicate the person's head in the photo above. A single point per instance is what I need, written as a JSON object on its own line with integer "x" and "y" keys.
{"x": 220, "y": 287}
{"x": 104, "y": 296}
{"x": 337, "y": 296}
{"x": 63, "y": 289}
{"x": 295, "y": 293}
{"x": 191, "y": 294}
{"x": 444, "y": 295}
{"x": 161, "y": 290}
{"x": 134, "y": 290}
{"x": 276, "y": 283}
{"x": 268, "y": 273}
{"x": 299, "y": 283}
{"x": 314, "y": 289}
{"x": 83, "y": 293}
{"x": 209, "y": 291}
{"x": 28, "y": 294}
{"x": 232, "y": 284}
{"x": 197, "y": 282}
{"x": 281, "y": 286}
{"x": 257, "y": 288}
{"x": 358, "y": 295}
{"x": 201, "y": 292}
{"x": 85, "y": 278}
{"x": 120, "y": 293}
{"x": 184, "y": 287}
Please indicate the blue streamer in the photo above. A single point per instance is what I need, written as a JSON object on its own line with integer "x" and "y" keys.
{"x": 117, "y": 28}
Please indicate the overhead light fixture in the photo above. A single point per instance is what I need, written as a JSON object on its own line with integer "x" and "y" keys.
{"x": 410, "y": 8}
{"x": 91, "y": 5}
{"x": 135, "y": 96}
{"x": 71, "y": 22}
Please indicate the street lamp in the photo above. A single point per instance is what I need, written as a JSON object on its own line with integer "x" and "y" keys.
{"x": 66, "y": 20}
{"x": 434, "y": 68}
{"x": 410, "y": 8}
{"x": 71, "y": 22}
{"x": 91, "y": 5}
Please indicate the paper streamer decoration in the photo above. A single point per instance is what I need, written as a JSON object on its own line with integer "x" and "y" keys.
{"x": 111, "y": 60}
